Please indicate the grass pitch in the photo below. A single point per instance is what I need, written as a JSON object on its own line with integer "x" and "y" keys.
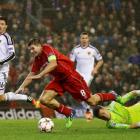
{"x": 81, "y": 130}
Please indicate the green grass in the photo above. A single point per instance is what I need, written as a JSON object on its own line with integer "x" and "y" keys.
{"x": 81, "y": 130}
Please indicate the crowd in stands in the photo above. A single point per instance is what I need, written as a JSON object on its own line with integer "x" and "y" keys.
{"x": 112, "y": 27}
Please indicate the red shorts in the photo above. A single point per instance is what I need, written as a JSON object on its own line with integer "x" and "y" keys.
{"x": 73, "y": 84}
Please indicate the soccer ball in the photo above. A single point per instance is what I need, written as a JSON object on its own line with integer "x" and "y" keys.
{"x": 45, "y": 125}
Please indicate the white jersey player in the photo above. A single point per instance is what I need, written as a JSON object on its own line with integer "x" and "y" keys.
{"x": 7, "y": 53}
{"x": 87, "y": 57}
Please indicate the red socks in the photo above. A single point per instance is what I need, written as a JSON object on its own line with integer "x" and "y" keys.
{"x": 64, "y": 110}
{"x": 106, "y": 96}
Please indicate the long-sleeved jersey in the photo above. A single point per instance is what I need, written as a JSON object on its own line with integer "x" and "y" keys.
{"x": 7, "y": 51}
{"x": 123, "y": 117}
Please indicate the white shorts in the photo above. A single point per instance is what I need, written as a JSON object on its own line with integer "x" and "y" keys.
{"x": 3, "y": 81}
{"x": 88, "y": 79}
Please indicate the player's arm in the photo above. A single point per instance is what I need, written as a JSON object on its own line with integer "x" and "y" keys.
{"x": 97, "y": 67}
{"x": 112, "y": 124}
{"x": 99, "y": 63}
{"x": 50, "y": 67}
{"x": 10, "y": 57}
{"x": 9, "y": 45}
{"x": 25, "y": 83}
{"x": 73, "y": 55}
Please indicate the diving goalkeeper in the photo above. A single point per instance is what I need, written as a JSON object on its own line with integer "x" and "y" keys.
{"x": 119, "y": 116}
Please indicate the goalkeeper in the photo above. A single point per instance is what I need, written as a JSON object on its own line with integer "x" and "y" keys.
{"x": 119, "y": 116}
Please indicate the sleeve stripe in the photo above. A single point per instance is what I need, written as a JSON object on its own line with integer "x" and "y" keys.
{"x": 8, "y": 58}
{"x": 94, "y": 48}
{"x": 9, "y": 39}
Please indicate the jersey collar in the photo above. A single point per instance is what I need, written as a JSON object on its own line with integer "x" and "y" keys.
{"x": 84, "y": 47}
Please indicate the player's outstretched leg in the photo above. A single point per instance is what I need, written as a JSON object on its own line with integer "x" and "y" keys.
{"x": 34, "y": 102}
{"x": 11, "y": 96}
{"x": 69, "y": 119}
{"x": 118, "y": 98}
{"x": 108, "y": 96}
{"x": 129, "y": 96}
{"x": 68, "y": 112}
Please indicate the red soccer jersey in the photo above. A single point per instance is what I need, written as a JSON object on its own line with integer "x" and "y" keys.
{"x": 64, "y": 65}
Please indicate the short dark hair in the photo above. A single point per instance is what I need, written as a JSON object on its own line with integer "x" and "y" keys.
{"x": 84, "y": 33}
{"x": 4, "y": 18}
{"x": 35, "y": 41}
{"x": 96, "y": 111}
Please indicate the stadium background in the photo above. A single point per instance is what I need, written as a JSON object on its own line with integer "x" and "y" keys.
{"x": 113, "y": 26}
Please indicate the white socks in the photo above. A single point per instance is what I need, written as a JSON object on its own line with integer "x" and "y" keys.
{"x": 10, "y": 96}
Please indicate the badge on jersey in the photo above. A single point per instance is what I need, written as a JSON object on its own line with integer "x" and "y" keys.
{"x": 89, "y": 53}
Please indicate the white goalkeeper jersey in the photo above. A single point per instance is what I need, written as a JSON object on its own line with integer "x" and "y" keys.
{"x": 85, "y": 60}
{"x": 6, "y": 50}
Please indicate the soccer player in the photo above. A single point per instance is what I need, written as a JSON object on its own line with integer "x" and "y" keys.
{"x": 119, "y": 116}
{"x": 87, "y": 58}
{"x": 7, "y": 53}
{"x": 48, "y": 60}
